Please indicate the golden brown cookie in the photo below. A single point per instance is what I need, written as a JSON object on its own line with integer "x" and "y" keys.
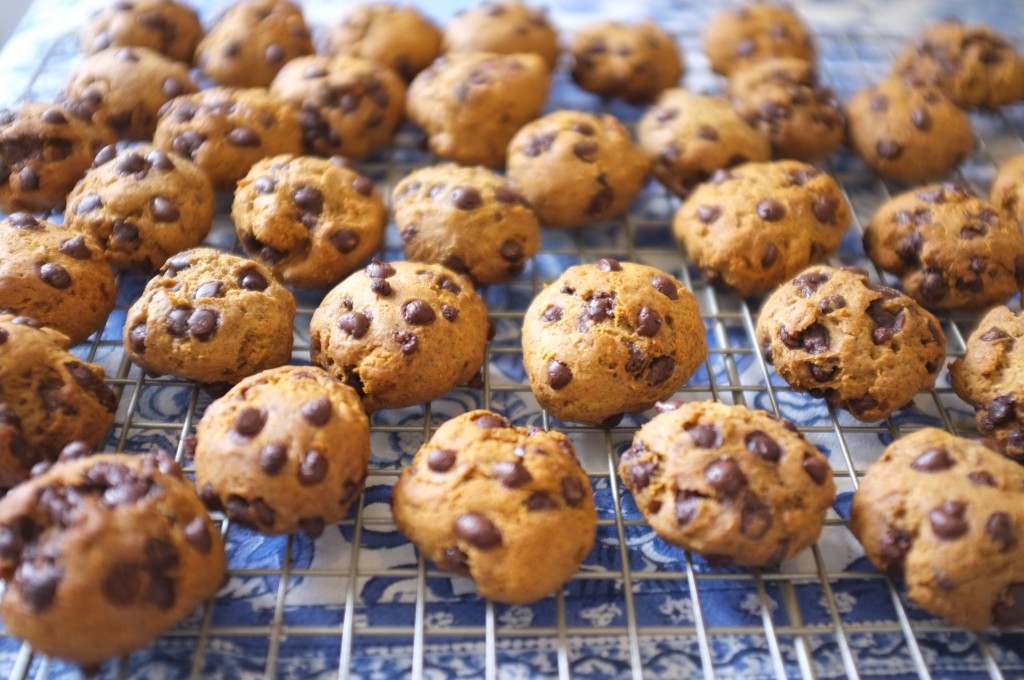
{"x": 502, "y": 27}
{"x": 1007, "y": 192}
{"x": 635, "y": 62}
{"x": 169, "y": 27}
{"x": 753, "y": 32}
{"x": 396, "y": 36}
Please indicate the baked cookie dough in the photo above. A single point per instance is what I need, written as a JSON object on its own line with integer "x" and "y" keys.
{"x": 169, "y": 27}
{"x": 396, "y": 36}
{"x": 945, "y": 513}
{"x": 1007, "y": 192}
{"x": 610, "y": 338}
{"x": 311, "y": 221}
{"x": 508, "y": 506}
{"x": 755, "y": 32}
{"x": 634, "y": 62}
{"x": 502, "y": 27}
{"x": 863, "y": 347}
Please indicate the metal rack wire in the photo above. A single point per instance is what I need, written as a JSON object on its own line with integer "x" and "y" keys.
{"x": 638, "y": 607}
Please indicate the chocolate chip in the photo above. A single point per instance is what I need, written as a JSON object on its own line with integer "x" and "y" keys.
{"x": 814, "y": 339}
{"x": 317, "y": 412}
{"x": 802, "y": 176}
{"x": 250, "y": 421}
{"x": 648, "y": 322}
{"x": 921, "y": 119}
{"x": 862, "y": 405}
{"x": 724, "y": 475}
{"x": 999, "y": 528}
{"x": 172, "y": 87}
{"x": 274, "y": 53}
{"x": 262, "y": 512}
{"x": 380, "y": 287}
{"x": 573, "y": 491}
{"x": 808, "y": 283}
{"x": 824, "y": 208}
{"x": 510, "y": 250}
{"x": 418, "y": 313}
{"x": 585, "y": 150}
{"x": 770, "y": 210}
{"x": 893, "y": 548}
{"x": 251, "y": 279}
{"x": 164, "y": 210}
{"x": 511, "y": 474}
{"x": 197, "y": 533}
{"x": 707, "y": 132}
{"x": 759, "y": 443}
{"x": 188, "y": 143}
{"x": 540, "y": 501}
{"x": 29, "y": 179}
{"x": 817, "y": 468}
{"x": 309, "y": 199}
{"x": 379, "y": 270}
{"x": 75, "y": 247}
{"x": 54, "y": 117}
{"x": 137, "y": 338}
{"x": 947, "y": 520}
{"x": 705, "y": 436}
{"x": 982, "y": 477}
{"x": 686, "y": 507}
{"x": 37, "y": 584}
{"x": 449, "y": 313}
{"x": 1009, "y": 610}
{"x": 508, "y": 195}
{"x": 999, "y": 411}
{"x": 600, "y": 202}
{"x": 822, "y": 374}
{"x": 88, "y": 204}
{"x": 272, "y": 458}
{"x": 933, "y": 460}
{"x": 709, "y": 213}
{"x": 665, "y": 286}
{"x": 450, "y": 286}
{"x": 491, "y": 421}
{"x": 888, "y": 149}
{"x": 441, "y": 460}
{"x": 354, "y": 324}
{"x": 244, "y": 137}
{"x": 559, "y": 375}
{"x": 539, "y": 144}
{"x": 660, "y": 370}
{"x": 202, "y": 324}
{"x": 24, "y": 221}
{"x": 313, "y": 468}
{"x": 608, "y": 264}
{"x": 55, "y": 275}
{"x": 477, "y": 530}
{"x": 552, "y": 313}
{"x": 755, "y": 518}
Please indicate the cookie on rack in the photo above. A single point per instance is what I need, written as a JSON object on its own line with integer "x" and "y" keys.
{"x": 688, "y": 136}
{"x": 469, "y": 219}
{"x": 502, "y": 27}
{"x": 347, "y": 106}
{"x": 141, "y": 205}
{"x": 284, "y": 450}
{"x": 508, "y": 506}
{"x": 754, "y": 32}
{"x": 634, "y": 62}
{"x": 310, "y": 220}
{"x": 1007, "y": 192}
{"x": 396, "y": 36}
{"x": 576, "y": 167}
{"x": 210, "y": 317}
{"x": 754, "y": 226}
{"x": 736, "y": 485}
{"x": 167, "y": 26}
{"x": 863, "y": 347}
{"x": 908, "y": 131}
{"x": 470, "y": 104}
{"x": 951, "y": 249}
{"x": 102, "y": 554}
{"x": 945, "y": 514}
{"x": 400, "y": 333}
{"x": 610, "y": 338}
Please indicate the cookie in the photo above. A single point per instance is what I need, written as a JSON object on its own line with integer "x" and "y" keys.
{"x": 251, "y": 41}
{"x": 782, "y": 98}
{"x": 347, "y": 105}
{"x": 688, "y": 136}
{"x": 396, "y": 36}
{"x": 610, "y": 338}
{"x": 284, "y": 450}
{"x": 865, "y": 348}
{"x": 951, "y": 249}
{"x": 471, "y": 103}
{"x": 468, "y": 219}
{"x": 103, "y": 554}
{"x": 908, "y": 132}
{"x": 225, "y": 131}
{"x": 752, "y": 227}
{"x": 123, "y": 88}
{"x": 755, "y": 32}
{"x": 1007, "y": 192}
{"x": 169, "y": 27}
{"x": 973, "y": 64}
{"x": 141, "y": 205}
{"x": 737, "y": 486}
{"x": 311, "y": 221}
{"x": 575, "y": 167}
{"x": 945, "y": 513}
{"x": 210, "y": 317}
{"x": 48, "y": 398}
{"x": 508, "y": 506}
{"x": 400, "y": 333}
{"x": 44, "y": 150}
{"x": 634, "y": 62}
{"x": 502, "y": 27}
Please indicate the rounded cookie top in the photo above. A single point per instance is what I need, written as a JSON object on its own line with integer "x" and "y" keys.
{"x": 284, "y": 450}
{"x": 141, "y": 205}
{"x": 49, "y": 400}
{"x": 752, "y": 227}
{"x": 951, "y": 249}
{"x": 400, "y": 333}
{"x": 210, "y": 317}
{"x": 908, "y": 131}
{"x": 634, "y": 62}
{"x": 471, "y": 103}
{"x": 575, "y": 167}
{"x": 347, "y": 105}
{"x": 396, "y": 36}
{"x": 688, "y": 136}
{"x": 251, "y": 41}
{"x": 754, "y": 32}
{"x": 103, "y": 554}
{"x": 945, "y": 513}
{"x": 225, "y": 131}
{"x": 735, "y": 485}
{"x": 169, "y": 27}
{"x": 1007, "y": 192}
{"x": 468, "y": 219}
{"x": 502, "y": 27}
{"x": 863, "y": 347}
{"x": 508, "y": 506}
{"x": 310, "y": 220}
{"x": 610, "y": 338}
{"x": 782, "y": 98}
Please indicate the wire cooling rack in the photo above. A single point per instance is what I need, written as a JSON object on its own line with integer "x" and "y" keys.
{"x": 359, "y": 602}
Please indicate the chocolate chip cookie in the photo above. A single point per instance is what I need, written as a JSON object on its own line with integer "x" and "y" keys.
{"x": 169, "y": 27}
{"x": 141, "y": 205}
{"x": 225, "y": 131}
{"x": 210, "y": 317}
{"x": 103, "y": 554}
{"x": 735, "y": 485}
{"x": 753, "y": 32}
{"x": 508, "y": 506}
{"x": 310, "y": 220}
{"x": 945, "y": 513}
{"x": 502, "y": 27}
{"x": 752, "y": 227}
{"x": 634, "y": 62}
{"x": 400, "y": 333}
{"x": 688, "y": 136}
{"x": 951, "y": 249}
{"x": 471, "y": 103}
{"x": 396, "y": 36}
{"x": 284, "y": 450}
{"x": 468, "y": 219}
{"x": 863, "y": 347}
{"x": 610, "y": 338}
{"x": 1007, "y": 192}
